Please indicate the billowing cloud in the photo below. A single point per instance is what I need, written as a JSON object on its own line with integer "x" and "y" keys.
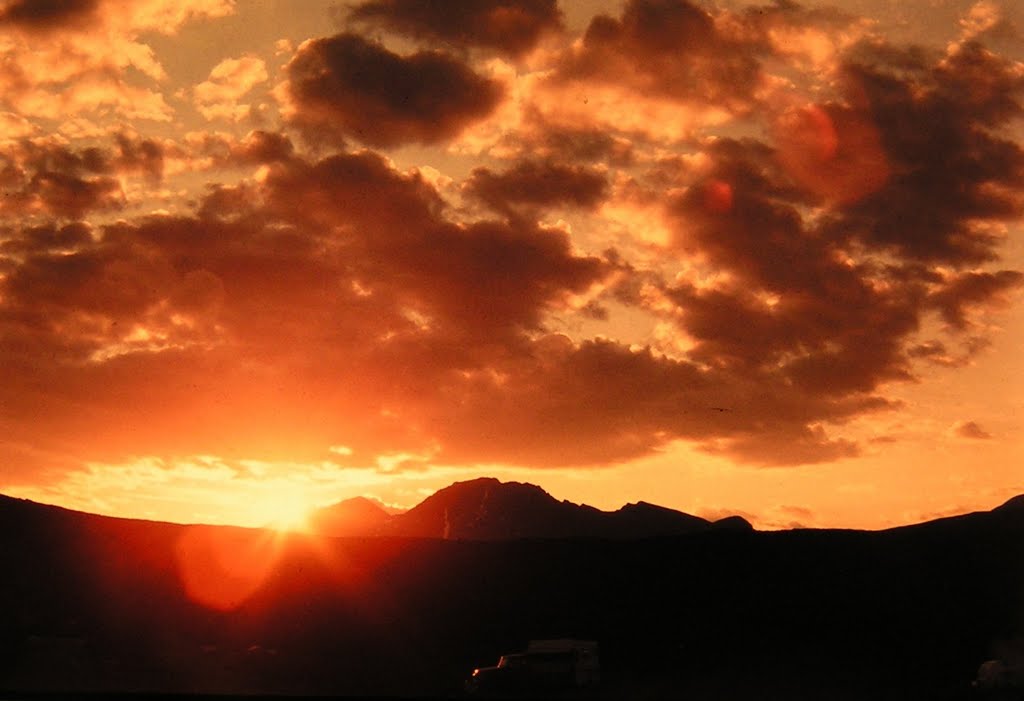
{"x": 47, "y": 179}
{"x": 65, "y": 58}
{"x": 218, "y": 96}
{"x": 418, "y": 333}
{"x": 793, "y": 304}
{"x": 676, "y": 229}
{"x": 502, "y": 25}
{"x": 43, "y": 178}
{"x": 395, "y": 298}
{"x": 952, "y": 172}
{"x": 670, "y": 48}
{"x": 346, "y": 86}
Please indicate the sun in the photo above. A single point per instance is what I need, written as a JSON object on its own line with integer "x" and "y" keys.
{"x": 287, "y": 511}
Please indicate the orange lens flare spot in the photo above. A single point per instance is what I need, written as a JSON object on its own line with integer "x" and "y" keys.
{"x": 221, "y": 568}
{"x": 836, "y": 153}
{"x": 718, "y": 196}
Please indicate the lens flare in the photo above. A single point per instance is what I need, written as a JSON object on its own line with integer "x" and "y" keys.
{"x": 221, "y": 567}
{"x": 834, "y": 152}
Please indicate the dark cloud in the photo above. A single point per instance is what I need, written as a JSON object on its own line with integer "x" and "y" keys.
{"x": 43, "y": 156}
{"x": 533, "y": 183}
{"x": 140, "y": 155}
{"x": 263, "y": 147}
{"x": 584, "y": 145}
{"x": 346, "y": 86}
{"x": 47, "y": 14}
{"x": 919, "y": 173}
{"x": 60, "y": 194}
{"x": 511, "y": 27}
{"x": 480, "y": 276}
{"x": 46, "y": 178}
{"x": 953, "y": 171}
{"x": 794, "y": 306}
{"x": 217, "y": 150}
{"x": 539, "y": 138}
{"x": 602, "y": 402}
{"x": 961, "y": 292}
{"x": 68, "y": 237}
{"x": 668, "y": 48}
{"x": 416, "y": 333}
{"x": 341, "y": 301}
{"x": 397, "y": 303}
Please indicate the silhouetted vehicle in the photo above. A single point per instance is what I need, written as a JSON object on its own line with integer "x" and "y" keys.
{"x": 1000, "y": 679}
{"x": 547, "y": 665}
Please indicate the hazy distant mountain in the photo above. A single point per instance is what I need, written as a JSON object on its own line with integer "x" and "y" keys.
{"x": 488, "y": 509}
{"x": 352, "y": 517}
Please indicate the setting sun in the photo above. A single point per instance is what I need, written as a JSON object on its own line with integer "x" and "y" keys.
{"x": 346, "y": 345}
{"x": 283, "y": 511}
{"x": 257, "y": 257}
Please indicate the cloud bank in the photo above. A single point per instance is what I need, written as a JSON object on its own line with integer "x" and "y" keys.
{"x": 827, "y": 229}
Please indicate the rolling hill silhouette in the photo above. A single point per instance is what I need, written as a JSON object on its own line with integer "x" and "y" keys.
{"x": 92, "y": 604}
{"x": 488, "y": 509}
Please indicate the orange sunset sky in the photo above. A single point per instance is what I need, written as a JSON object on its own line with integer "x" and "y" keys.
{"x": 757, "y": 259}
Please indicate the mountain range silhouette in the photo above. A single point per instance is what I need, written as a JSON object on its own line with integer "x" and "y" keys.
{"x": 93, "y": 605}
{"x": 488, "y": 509}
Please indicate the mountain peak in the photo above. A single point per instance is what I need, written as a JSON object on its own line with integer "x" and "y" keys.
{"x": 482, "y": 509}
{"x": 358, "y": 516}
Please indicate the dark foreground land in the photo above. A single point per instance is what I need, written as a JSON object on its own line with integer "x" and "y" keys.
{"x": 91, "y": 604}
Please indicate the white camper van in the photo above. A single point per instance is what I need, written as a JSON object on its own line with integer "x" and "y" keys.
{"x": 562, "y": 663}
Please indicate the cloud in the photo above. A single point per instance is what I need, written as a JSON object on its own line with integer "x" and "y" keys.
{"x": 419, "y": 334}
{"x": 953, "y": 172}
{"x": 263, "y": 147}
{"x": 748, "y": 288}
{"x": 970, "y": 430}
{"x": 573, "y": 144}
{"x": 47, "y": 14}
{"x": 50, "y": 180}
{"x": 200, "y": 310}
{"x": 346, "y": 86}
{"x": 83, "y": 61}
{"x": 986, "y": 19}
{"x": 600, "y": 402}
{"x": 533, "y": 183}
{"x": 43, "y": 177}
{"x": 829, "y": 305}
{"x": 938, "y": 353}
{"x": 792, "y": 305}
{"x": 669, "y": 48}
{"x": 508, "y": 27}
{"x": 962, "y": 292}
{"x": 218, "y": 96}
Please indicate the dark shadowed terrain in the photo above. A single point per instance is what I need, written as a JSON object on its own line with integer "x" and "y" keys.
{"x": 97, "y": 604}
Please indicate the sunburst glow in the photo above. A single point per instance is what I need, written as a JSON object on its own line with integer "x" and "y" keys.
{"x": 287, "y": 510}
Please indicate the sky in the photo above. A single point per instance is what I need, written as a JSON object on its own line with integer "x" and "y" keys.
{"x": 757, "y": 259}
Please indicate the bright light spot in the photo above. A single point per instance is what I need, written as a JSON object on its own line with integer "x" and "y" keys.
{"x": 718, "y": 196}
{"x": 222, "y": 567}
{"x": 284, "y": 510}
